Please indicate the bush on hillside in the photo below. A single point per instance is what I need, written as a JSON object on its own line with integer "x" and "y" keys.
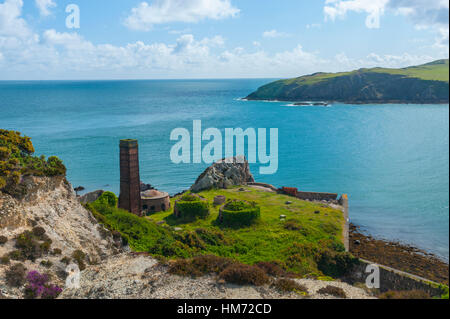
{"x": 239, "y": 213}
{"x": 244, "y": 275}
{"x": 199, "y": 266}
{"x": 333, "y": 291}
{"x": 17, "y": 160}
{"x": 289, "y": 285}
{"x": 3, "y": 240}
{"x": 15, "y": 275}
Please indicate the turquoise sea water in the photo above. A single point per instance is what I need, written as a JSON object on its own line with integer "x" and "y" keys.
{"x": 393, "y": 160}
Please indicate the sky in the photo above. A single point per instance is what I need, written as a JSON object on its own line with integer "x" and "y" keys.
{"x": 179, "y": 39}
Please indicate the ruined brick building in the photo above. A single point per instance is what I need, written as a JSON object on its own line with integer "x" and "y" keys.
{"x": 132, "y": 198}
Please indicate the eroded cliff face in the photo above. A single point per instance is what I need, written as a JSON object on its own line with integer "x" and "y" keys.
{"x": 51, "y": 203}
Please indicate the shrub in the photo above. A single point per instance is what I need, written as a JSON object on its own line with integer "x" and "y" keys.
{"x": 271, "y": 268}
{"x": 28, "y": 245}
{"x": 239, "y": 213}
{"x": 292, "y": 224}
{"x": 336, "y": 264}
{"x": 79, "y": 257}
{"x": 108, "y": 198}
{"x": 16, "y": 255}
{"x": 46, "y": 263}
{"x": 409, "y": 294}
{"x": 244, "y": 275}
{"x": 17, "y": 160}
{"x": 39, "y": 232}
{"x": 200, "y": 265}
{"x": 191, "y": 207}
{"x": 333, "y": 291}
{"x": 4, "y": 260}
{"x": 211, "y": 237}
{"x": 289, "y": 285}
{"x": 39, "y": 287}
{"x": 66, "y": 260}
{"x": 191, "y": 239}
{"x": 57, "y": 252}
{"x": 15, "y": 275}
{"x": 3, "y": 240}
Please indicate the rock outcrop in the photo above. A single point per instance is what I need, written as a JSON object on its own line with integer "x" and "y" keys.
{"x": 223, "y": 174}
{"x": 90, "y": 197}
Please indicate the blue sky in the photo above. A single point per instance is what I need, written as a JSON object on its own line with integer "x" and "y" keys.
{"x": 216, "y": 38}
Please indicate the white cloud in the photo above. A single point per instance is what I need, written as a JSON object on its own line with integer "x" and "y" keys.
{"x": 11, "y": 23}
{"x": 145, "y": 15}
{"x": 275, "y": 34}
{"x": 425, "y": 14}
{"x": 44, "y": 6}
{"x": 313, "y": 26}
{"x": 339, "y": 8}
{"x": 25, "y": 54}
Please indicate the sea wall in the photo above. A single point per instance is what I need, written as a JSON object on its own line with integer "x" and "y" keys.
{"x": 313, "y": 196}
{"x": 394, "y": 280}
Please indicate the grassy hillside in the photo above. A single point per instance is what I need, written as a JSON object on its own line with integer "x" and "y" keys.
{"x": 308, "y": 239}
{"x": 426, "y": 83}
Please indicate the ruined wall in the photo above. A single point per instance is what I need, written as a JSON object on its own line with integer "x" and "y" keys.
{"x": 395, "y": 280}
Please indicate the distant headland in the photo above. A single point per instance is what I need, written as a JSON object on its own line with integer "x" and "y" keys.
{"x": 423, "y": 84}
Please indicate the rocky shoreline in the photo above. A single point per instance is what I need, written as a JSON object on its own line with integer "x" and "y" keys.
{"x": 399, "y": 256}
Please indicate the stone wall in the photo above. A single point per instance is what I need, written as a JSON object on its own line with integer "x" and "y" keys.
{"x": 317, "y": 196}
{"x": 395, "y": 280}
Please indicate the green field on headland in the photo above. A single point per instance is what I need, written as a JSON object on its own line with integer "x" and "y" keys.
{"x": 428, "y": 83}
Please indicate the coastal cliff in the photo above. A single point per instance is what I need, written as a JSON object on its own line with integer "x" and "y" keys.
{"x": 424, "y": 84}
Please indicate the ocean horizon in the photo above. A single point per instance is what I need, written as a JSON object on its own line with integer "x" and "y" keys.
{"x": 392, "y": 160}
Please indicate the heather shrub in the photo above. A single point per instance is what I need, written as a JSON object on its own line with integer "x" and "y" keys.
{"x": 46, "y": 263}
{"x": 199, "y": 266}
{"x": 271, "y": 268}
{"x": 289, "y": 285}
{"x": 408, "y": 294}
{"x": 57, "y": 252}
{"x": 66, "y": 260}
{"x": 333, "y": 291}
{"x": 239, "y": 213}
{"x": 15, "y": 275}
{"x": 244, "y": 275}
{"x": 38, "y": 286}
{"x": 3, "y": 240}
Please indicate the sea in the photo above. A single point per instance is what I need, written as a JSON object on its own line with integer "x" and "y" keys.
{"x": 392, "y": 160}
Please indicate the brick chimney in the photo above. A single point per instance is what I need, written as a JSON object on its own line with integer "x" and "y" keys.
{"x": 130, "y": 182}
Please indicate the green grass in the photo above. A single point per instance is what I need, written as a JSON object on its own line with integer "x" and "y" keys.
{"x": 435, "y": 71}
{"x": 312, "y": 246}
{"x": 267, "y": 239}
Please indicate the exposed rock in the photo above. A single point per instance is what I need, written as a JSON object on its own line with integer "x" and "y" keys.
{"x": 51, "y": 203}
{"x": 91, "y": 197}
{"x": 223, "y": 174}
{"x": 132, "y": 276}
{"x": 146, "y": 187}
